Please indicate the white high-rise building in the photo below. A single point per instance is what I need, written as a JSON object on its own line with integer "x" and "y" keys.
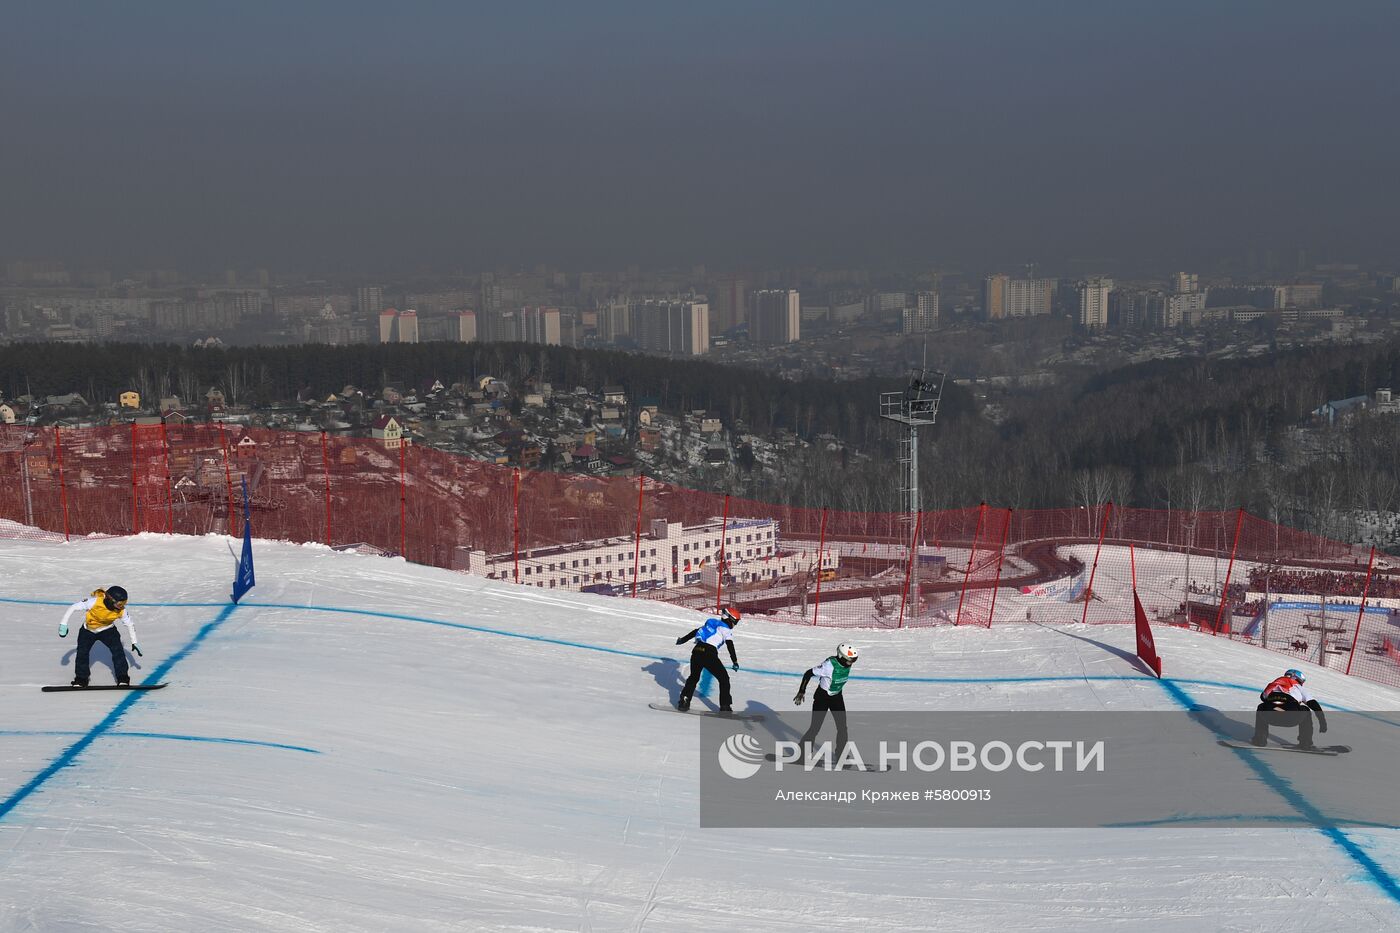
{"x": 1028, "y": 297}
{"x": 387, "y": 319}
{"x": 1184, "y": 283}
{"x": 922, "y": 316}
{"x": 776, "y": 317}
{"x": 614, "y": 321}
{"x": 1183, "y": 306}
{"x": 539, "y": 325}
{"x": 1093, "y": 303}
{"x": 408, "y": 327}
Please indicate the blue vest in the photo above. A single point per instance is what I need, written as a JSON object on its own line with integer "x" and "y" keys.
{"x": 709, "y": 628}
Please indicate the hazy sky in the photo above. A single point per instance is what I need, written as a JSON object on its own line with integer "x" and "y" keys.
{"x": 594, "y": 134}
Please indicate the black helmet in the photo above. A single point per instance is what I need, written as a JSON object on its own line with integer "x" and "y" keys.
{"x": 116, "y": 594}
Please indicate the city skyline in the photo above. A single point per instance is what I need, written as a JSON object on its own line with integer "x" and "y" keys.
{"x": 350, "y": 136}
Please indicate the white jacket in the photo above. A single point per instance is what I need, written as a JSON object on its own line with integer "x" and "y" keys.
{"x": 84, "y": 605}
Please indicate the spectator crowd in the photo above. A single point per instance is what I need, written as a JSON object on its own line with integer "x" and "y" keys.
{"x": 1323, "y": 583}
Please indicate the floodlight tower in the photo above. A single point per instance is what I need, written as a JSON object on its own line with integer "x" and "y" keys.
{"x": 915, "y": 406}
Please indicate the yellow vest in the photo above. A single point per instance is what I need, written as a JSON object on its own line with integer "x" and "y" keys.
{"x": 99, "y": 616}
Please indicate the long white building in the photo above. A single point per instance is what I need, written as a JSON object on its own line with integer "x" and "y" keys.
{"x": 671, "y": 555}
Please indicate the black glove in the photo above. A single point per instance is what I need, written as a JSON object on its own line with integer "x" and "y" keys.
{"x": 735, "y": 668}
{"x": 681, "y": 640}
{"x": 797, "y": 700}
{"x": 137, "y": 648}
{"x": 1321, "y": 725}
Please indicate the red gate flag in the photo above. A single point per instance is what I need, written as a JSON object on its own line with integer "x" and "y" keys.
{"x": 1146, "y": 647}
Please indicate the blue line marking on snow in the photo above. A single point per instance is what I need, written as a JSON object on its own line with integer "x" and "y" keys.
{"x": 1293, "y": 822}
{"x": 1383, "y": 879}
{"x": 71, "y": 753}
{"x": 603, "y": 649}
{"x": 873, "y": 678}
{"x": 1281, "y": 786}
{"x": 622, "y": 652}
{"x": 1388, "y": 883}
{"x": 165, "y": 735}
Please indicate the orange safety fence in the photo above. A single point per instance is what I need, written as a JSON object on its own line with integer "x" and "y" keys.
{"x": 1222, "y": 572}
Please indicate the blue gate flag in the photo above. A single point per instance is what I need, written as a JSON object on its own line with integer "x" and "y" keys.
{"x": 245, "y": 579}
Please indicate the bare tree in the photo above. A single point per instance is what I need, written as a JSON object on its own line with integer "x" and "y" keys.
{"x": 1120, "y": 490}
{"x": 262, "y": 381}
{"x": 145, "y": 383}
{"x": 1193, "y": 494}
{"x": 1325, "y": 497}
{"x": 189, "y": 384}
{"x": 234, "y": 382}
{"x": 1092, "y": 490}
{"x": 1018, "y": 488}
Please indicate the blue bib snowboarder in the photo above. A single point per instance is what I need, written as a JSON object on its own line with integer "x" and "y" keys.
{"x": 705, "y": 657}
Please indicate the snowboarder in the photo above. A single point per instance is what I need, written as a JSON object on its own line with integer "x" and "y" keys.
{"x": 102, "y": 611}
{"x": 1286, "y": 703}
{"x": 831, "y": 677}
{"x": 705, "y": 657}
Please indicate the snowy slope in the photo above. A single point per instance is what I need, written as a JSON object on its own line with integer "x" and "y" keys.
{"x": 369, "y": 745}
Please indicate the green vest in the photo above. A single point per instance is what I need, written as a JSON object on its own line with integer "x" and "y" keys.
{"x": 839, "y": 673}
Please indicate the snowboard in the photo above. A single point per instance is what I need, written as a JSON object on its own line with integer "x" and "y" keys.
{"x": 70, "y": 688}
{"x": 797, "y": 764}
{"x": 1330, "y": 751}
{"x": 668, "y": 708}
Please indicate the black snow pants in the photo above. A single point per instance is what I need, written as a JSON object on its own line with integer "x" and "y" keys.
{"x": 822, "y": 702}
{"x": 706, "y": 658}
{"x": 1286, "y": 712}
{"x": 109, "y": 637}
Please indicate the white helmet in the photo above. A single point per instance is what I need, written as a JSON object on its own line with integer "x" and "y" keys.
{"x": 847, "y": 653}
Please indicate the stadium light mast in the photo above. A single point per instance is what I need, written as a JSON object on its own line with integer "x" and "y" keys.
{"x": 914, "y": 407}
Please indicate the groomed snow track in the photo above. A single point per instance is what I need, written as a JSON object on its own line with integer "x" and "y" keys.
{"x": 370, "y": 745}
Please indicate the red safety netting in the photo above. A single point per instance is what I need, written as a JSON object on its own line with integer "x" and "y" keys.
{"x": 1222, "y": 572}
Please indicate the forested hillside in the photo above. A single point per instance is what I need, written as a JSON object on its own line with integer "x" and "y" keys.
{"x": 1173, "y": 433}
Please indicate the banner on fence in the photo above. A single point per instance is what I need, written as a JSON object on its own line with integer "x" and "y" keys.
{"x": 1066, "y": 589}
